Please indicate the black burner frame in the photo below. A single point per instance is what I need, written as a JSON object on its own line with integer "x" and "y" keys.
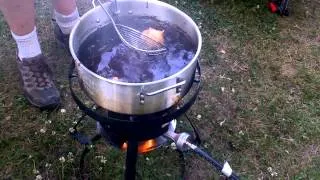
{"x": 133, "y": 128}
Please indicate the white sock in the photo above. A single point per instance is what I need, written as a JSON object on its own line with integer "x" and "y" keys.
{"x": 66, "y": 22}
{"x": 28, "y": 45}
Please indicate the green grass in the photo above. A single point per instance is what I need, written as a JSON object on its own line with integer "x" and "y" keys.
{"x": 311, "y": 172}
{"x": 267, "y": 116}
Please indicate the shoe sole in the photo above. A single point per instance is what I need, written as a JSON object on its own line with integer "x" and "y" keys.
{"x": 46, "y": 107}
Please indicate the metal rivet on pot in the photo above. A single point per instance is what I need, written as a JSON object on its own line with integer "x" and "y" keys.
{"x": 130, "y": 12}
{"x": 98, "y": 20}
{"x": 141, "y": 98}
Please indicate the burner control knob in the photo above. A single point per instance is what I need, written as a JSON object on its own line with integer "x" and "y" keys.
{"x": 179, "y": 139}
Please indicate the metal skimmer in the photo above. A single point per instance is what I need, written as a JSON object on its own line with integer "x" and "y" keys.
{"x": 133, "y": 38}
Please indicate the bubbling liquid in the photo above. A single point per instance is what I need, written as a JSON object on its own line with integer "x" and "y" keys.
{"x": 103, "y": 52}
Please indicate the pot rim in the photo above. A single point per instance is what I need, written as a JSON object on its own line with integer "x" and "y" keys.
{"x": 159, "y": 3}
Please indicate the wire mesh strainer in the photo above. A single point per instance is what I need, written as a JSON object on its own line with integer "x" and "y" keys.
{"x": 133, "y": 38}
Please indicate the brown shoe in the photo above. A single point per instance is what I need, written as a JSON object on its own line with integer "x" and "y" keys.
{"x": 38, "y": 86}
{"x": 62, "y": 39}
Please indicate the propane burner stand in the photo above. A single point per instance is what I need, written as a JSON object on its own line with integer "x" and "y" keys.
{"x": 130, "y": 129}
{"x": 119, "y": 129}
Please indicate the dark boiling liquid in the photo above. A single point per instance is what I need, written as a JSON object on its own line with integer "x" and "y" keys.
{"x": 103, "y": 52}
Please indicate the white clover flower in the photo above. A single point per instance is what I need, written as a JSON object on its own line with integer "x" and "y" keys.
{"x": 47, "y": 165}
{"x": 43, "y": 130}
{"x": 103, "y": 160}
{"x": 233, "y": 90}
{"x": 222, "y": 89}
{"x": 53, "y": 133}
{"x": 71, "y": 130}
{"x": 30, "y": 156}
{"x": 272, "y": 172}
{"x": 224, "y": 77}
{"x": 48, "y": 122}
{"x": 35, "y": 171}
{"x": 74, "y": 122}
{"x": 62, "y": 159}
{"x": 63, "y": 111}
{"x": 147, "y": 159}
{"x": 199, "y": 116}
{"x": 98, "y": 157}
{"x": 173, "y": 146}
{"x": 70, "y": 154}
{"x": 38, "y": 177}
{"x": 241, "y": 133}
{"x": 70, "y": 157}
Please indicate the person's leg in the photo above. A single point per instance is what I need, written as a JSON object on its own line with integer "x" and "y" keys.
{"x": 36, "y": 76}
{"x": 64, "y": 7}
{"x": 20, "y": 17}
{"x": 66, "y": 14}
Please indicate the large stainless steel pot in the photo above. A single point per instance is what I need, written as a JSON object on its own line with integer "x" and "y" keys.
{"x": 135, "y": 98}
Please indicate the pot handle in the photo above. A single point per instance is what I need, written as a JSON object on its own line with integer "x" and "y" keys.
{"x": 178, "y": 86}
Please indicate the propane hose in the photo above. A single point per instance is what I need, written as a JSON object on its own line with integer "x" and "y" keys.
{"x": 225, "y": 168}
{"x": 182, "y": 141}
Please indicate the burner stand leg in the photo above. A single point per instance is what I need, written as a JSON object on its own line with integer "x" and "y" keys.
{"x": 131, "y": 160}
{"x": 84, "y": 153}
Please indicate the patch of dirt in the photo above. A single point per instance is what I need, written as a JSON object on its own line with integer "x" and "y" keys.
{"x": 198, "y": 169}
{"x": 305, "y": 155}
{"x": 312, "y": 151}
{"x": 288, "y": 70}
{"x": 300, "y": 35}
